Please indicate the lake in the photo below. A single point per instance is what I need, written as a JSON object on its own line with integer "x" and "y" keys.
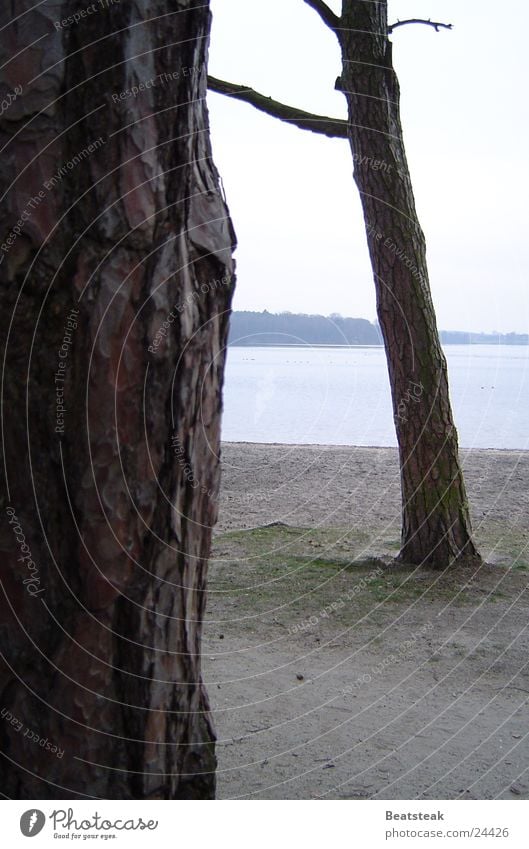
{"x": 341, "y": 396}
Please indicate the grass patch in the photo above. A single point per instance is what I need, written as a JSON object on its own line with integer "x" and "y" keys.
{"x": 293, "y": 573}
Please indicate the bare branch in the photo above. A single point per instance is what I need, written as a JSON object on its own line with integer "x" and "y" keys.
{"x": 435, "y": 24}
{"x": 332, "y": 127}
{"x": 327, "y": 15}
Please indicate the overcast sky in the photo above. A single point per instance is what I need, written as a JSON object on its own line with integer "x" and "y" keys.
{"x": 295, "y": 208}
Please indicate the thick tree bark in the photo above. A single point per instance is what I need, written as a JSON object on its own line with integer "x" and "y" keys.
{"x": 117, "y": 276}
{"x": 436, "y": 525}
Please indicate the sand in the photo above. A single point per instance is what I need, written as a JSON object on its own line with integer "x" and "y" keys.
{"x": 334, "y": 674}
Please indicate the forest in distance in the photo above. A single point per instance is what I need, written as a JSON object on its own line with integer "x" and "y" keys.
{"x": 249, "y": 328}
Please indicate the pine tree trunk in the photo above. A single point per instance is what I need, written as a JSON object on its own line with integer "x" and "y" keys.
{"x": 436, "y": 525}
{"x": 116, "y": 289}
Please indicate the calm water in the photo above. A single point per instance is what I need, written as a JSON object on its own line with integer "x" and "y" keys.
{"x": 341, "y": 396}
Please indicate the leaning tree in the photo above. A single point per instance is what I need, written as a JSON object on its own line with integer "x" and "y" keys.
{"x": 117, "y": 276}
{"x": 436, "y": 528}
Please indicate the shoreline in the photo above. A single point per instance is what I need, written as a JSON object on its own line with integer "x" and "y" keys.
{"x": 359, "y": 487}
{"x": 330, "y": 446}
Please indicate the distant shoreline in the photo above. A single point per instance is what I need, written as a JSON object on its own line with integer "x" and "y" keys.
{"x": 266, "y": 329}
{"x": 365, "y": 345}
{"x": 320, "y": 446}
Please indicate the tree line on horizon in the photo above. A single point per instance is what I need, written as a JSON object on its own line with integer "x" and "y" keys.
{"x": 249, "y": 328}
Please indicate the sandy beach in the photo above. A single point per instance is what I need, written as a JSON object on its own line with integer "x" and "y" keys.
{"x": 333, "y": 673}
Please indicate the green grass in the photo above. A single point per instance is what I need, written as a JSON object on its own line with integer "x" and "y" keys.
{"x": 298, "y": 571}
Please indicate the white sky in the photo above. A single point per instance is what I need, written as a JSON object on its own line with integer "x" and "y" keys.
{"x": 294, "y": 205}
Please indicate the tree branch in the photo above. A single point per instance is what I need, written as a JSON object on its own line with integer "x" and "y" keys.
{"x": 332, "y": 127}
{"x": 327, "y": 15}
{"x": 435, "y": 24}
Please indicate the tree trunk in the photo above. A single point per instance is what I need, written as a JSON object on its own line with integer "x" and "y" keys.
{"x": 436, "y": 525}
{"x": 117, "y": 277}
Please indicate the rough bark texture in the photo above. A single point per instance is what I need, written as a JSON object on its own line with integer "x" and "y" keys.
{"x": 436, "y": 526}
{"x": 108, "y": 506}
